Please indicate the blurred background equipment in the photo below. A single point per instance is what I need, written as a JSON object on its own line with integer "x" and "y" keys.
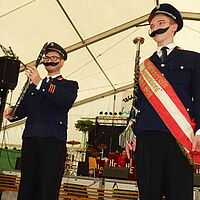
{"x": 9, "y": 72}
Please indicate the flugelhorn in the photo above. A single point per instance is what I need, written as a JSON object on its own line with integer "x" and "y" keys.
{"x": 138, "y": 41}
{"x": 26, "y": 85}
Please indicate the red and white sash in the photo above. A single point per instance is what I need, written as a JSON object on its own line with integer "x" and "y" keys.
{"x": 165, "y": 101}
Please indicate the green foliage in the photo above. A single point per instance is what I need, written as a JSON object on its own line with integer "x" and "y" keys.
{"x": 84, "y": 125}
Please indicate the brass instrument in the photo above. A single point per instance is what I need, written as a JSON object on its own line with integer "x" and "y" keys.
{"x": 26, "y": 85}
{"x": 138, "y": 41}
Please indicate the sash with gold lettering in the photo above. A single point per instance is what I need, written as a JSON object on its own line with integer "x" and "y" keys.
{"x": 167, "y": 104}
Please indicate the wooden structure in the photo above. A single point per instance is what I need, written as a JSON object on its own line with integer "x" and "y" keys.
{"x": 74, "y": 191}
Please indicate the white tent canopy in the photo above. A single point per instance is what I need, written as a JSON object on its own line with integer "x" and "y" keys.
{"x": 98, "y": 36}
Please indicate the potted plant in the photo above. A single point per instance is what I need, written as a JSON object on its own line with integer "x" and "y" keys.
{"x": 84, "y": 126}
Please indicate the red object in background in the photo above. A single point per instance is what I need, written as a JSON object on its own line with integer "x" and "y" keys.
{"x": 100, "y": 163}
{"x": 122, "y": 161}
{"x": 113, "y": 156}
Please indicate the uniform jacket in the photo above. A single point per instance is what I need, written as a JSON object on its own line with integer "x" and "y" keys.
{"x": 182, "y": 70}
{"x": 46, "y": 109}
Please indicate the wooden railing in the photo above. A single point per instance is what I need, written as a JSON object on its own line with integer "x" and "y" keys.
{"x": 9, "y": 182}
{"x": 74, "y": 191}
{"x": 84, "y": 192}
{"x": 81, "y": 192}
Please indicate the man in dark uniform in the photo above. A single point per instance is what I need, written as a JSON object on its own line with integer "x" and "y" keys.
{"x": 46, "y": 105}
{"x": 162, "y": 167}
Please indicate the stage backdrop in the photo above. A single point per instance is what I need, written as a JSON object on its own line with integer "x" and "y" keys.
{"x": 108, "y": 135}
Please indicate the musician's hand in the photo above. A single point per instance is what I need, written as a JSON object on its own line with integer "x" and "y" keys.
{"x": 7, "y": 112}
{"x": 33, "y": 74}
{"x": 196, "y": 143}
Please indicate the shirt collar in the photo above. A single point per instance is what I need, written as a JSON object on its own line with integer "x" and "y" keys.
{"x": 170, "y": 47}
{"x": 54, "y": 76}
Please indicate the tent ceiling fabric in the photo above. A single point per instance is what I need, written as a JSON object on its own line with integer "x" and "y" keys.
{"x": 97, "y": 34}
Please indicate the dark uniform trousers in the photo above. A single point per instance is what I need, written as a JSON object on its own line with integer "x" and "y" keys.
{"x": 40, "y": 153}
{"x": 162, "y": 168}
